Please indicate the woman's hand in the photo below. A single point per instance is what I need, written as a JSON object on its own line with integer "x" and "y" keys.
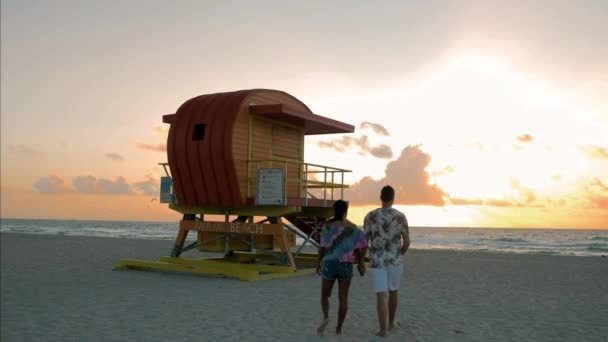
{"x": 320, "y": 259}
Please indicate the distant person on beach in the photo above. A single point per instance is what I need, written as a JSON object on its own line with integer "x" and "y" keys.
{"x": 389, "y": 239}
{"x": 341, "y": 244}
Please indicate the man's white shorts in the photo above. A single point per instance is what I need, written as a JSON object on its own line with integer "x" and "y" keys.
{"x": 387, "y": 278}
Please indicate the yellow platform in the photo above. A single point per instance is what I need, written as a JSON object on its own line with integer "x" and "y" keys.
{"x": 233, "y": 267}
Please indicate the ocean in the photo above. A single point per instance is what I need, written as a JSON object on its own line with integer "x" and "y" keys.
{"x": 578, "y": 242}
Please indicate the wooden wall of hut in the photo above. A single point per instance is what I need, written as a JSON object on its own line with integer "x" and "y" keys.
{"x": 269, "y": 139}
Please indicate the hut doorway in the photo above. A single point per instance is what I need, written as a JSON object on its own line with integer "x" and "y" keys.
{"x": 287, "y": 144}
{"x": 279, "y": 145}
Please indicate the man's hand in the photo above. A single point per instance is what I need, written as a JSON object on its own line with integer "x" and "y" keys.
{"x": 319, "y": 268}
{"x": 406, "y": 241}
{"x": 361, "y": 268}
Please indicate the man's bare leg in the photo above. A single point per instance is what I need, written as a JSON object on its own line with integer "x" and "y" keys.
{"x": 326, "y": 287}
{"x": 381, "y": 308}
{"x": 393, "y": 301}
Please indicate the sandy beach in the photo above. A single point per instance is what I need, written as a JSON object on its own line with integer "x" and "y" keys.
{"x": 60, "y": 288}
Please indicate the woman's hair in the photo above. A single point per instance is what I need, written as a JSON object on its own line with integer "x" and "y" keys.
{"x": 340, "y": 209}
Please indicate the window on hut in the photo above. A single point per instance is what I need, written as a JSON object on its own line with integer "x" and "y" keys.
{"x": 199, "y": 132}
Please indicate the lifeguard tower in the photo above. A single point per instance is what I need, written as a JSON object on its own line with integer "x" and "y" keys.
{"x": 236, "y": 172}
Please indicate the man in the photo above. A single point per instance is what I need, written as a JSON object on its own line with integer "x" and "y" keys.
{"x": 386, "y": 227}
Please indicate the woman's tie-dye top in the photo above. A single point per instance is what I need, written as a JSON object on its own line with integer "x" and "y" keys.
{"x": 340, "y": 246}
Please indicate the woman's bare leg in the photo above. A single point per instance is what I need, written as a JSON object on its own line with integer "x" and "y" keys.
{"x": 326, "y": 287}
{"x": 343, "y": 287}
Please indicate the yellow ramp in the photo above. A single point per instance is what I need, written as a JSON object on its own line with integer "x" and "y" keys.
{"x": 245, "y": 272}
{"x": 227, "y": 265}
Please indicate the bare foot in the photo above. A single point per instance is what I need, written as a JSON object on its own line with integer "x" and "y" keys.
{"x": 322, "y": 326}
{"x": 393, "y": 326}
{"x": 381, "y": 333}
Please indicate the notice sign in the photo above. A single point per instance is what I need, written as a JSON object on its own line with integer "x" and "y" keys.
{"x": 270, "y": 187}
{"x": 166, "y": 195}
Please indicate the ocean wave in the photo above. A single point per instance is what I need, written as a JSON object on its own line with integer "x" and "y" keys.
{"x": 508, "y": 240}
{"x": 598, "y": 244}
{"x": 519, "y": 241}
{"x": 542, "y": 252}
{"x": 600, "y": 238}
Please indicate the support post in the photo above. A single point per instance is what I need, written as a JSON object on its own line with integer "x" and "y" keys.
{"x": 181, "y": 237}
{"x": 332, "y": 185}
{"x": 226, "y": 237}
{"x": 325, "y": 186}
{"x": 252, "y": 247}
{"x": 342, "y": 186}
{"x": 305, "y": 185}
{"x": 285, "y": 185}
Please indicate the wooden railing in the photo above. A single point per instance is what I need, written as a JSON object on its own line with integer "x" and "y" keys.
{"x": 309, "y": 177}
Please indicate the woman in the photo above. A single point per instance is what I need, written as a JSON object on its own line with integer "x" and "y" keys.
{"x": 341, "y": 243}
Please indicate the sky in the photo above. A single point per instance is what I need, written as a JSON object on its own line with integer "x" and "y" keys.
{"x": 479, "y": 113}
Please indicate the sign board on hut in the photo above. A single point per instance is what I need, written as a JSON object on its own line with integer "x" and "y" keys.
{"x": 271, "y": 187}
{"x": 166, "y": 195}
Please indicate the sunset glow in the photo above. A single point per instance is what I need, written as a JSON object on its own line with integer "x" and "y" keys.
{"x": 478, "y": 133}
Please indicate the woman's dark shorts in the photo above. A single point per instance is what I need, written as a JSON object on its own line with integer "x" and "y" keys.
{"x": 333, "y": 269}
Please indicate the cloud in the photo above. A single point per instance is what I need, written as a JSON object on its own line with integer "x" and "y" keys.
{"x": 152, "y": 147}
{"x": 525, "y": 198}
{"x": 86, "y": 184}
{"x": 407, "y": 175}
{"x": 446, "y": 170}
{"x": 599, "y": 185}
{"x": 527, "y": 194}
{"x": 377, "y": 128}
{"x": 597, "y": 194}
{"x": 465, "y": 201}
{"x": 149, "y": 187}
{"x": 381, "y": 151}
{"x": 584, "y": 194}
{"x": 524, "y": 138}
{"x": 23, "y": 150}
{"x": 496, "y": 202}
{"x": 92, "y": 185}
{"x": 337, "y": 144}
{"x": 341, "y": 144}
{"x": 52, "y": 184}
{"x": 162, "y": 129}
{"x": 493, "y": 202}
{"x": 89, "y": 184}
{"x": 587, "y": 194}
{"x": 115, "y": 156}
{"x": 118, "y": 186}
{"x": 595, "y": 151}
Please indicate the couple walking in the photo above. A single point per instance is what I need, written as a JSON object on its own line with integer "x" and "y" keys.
{"x": 342, "y": 244}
